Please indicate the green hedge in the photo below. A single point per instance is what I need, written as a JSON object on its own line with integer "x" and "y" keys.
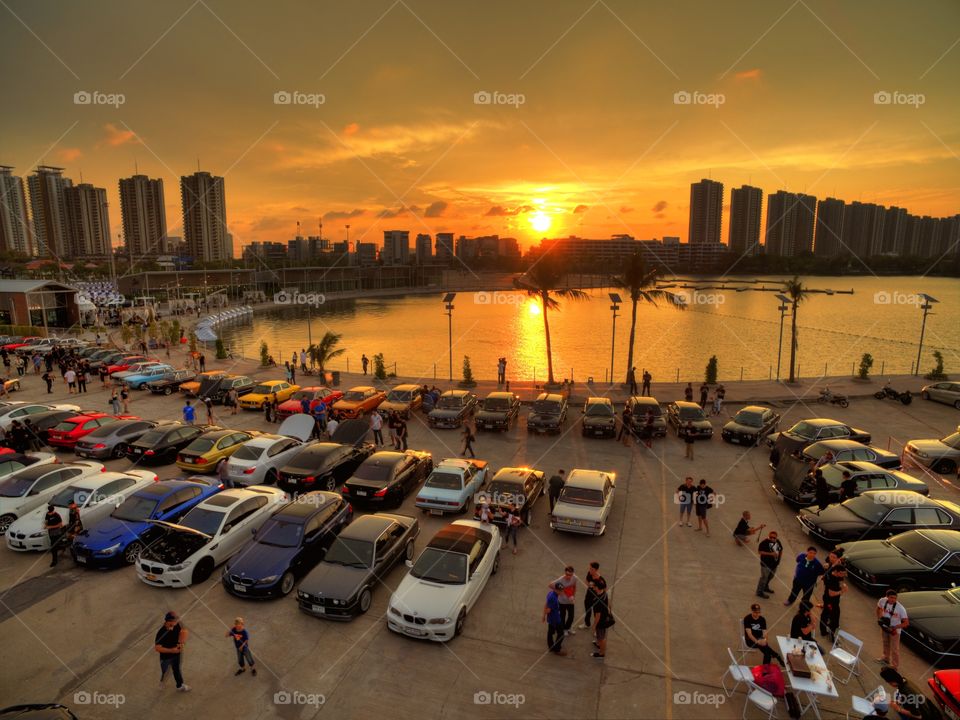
{"x": 24, "y": 330}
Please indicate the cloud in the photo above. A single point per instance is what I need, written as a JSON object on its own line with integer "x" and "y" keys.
{"x": 351, "y": 129}
{"x": 388, "y": 213}
{"x": 501, "y": 211}
{"x": 69, "y": 154}
{"x": 580, "y": 209}
{"x": 753, "y": 74}
{"x": 660, "y": 206}
{"x": 624, "y": 210}
{"x": 436, "y": 209}
{"x": 343, "y": 214}
{"x": 115, "y": 137}
{"x": 299, "y": 209}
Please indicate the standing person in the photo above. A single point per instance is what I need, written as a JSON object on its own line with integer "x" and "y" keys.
{"x": 392, "y": 426}
{"x": 604, "y": 618}
{"x": 468, "y": 438}
{"x": 892, "y": 618}
{"x": 203, "y": 362}
{"x": 688, "y": 439}
{"x": 293, "y": 373}
{"x": 303, "y": 360}
{"x": 821, "y": 488}
{"x": 648, "y": 429}
{"x": 632, "y": 380}
{"x": 241, "y": 641}
{"x": 332, "y": 424}
{"x": 31, "y": 434}
{"x": 48, "y": 379}
{"x": 833, "y": 589}
{"x": 53, "y": 524}
{"x": 554, "y": 620}
{"x": 223, "y": 474}
{"x": 513, "y": 523}
{"x": 684, "y": 498}
{"x": 320, "y": 419}
{"x": 74, "y": 523}
{"x": 647, "y": 377}
{"x": 267, "y": 411}
{"x": 755, "y": 635}
{"x": 402, "y": 433}
{"x": 365, "y": 362}
{"x": 21, "y": 366}
{"x": 688, "y": 392}
{"x": 805, "y": 577}
{"x": 376, "y": 424}
{"x": 208, "y": 406}
{"x": 233, "y": 398}
{"x": 626, "y": 418}
{"x": 103, "y": 376}
{"x": 70, "y": 376}
{"x": 554, "y": 486}
{"x": 568, "y": 598}
{"x": 770, "y": 550}
{"x": 501, "y": 370}
{"x": 703, "y": 500}
{"x": 188, "y": 413}
{"x": 704, "y": 391}
{"x": 274, "y": 417}
{"x": 590, "y": 594}
{"x": 82, "y": 378}
{"x": 743, "y": 530}
{"x": 125, "y": 398}
{"x": 115, "y": 402}
{"x": 848, "y": 486}
{"x": 169, "y": 643}
{"x": 717, "y": 401}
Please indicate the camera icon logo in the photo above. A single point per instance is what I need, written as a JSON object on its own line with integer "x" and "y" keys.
{"x": 882, "y": 97}
{"x": 282, "y": 97}
{"x": 282, "y": 298}
{"x": 881, "y": 297}
{"x": 482, "y": 697}
{"x": 682, "y": 97}
{"x": 81, "y": 697}
{"x": 482, "y": 298}
{"x": 282, "y": 697}
{"x": 482, "y": 97}
{"x": 682, "y": 697}
{"x": 82, "y": 97}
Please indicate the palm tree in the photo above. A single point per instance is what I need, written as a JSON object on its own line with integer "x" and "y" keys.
{"x": 542, "y": 281}
{"x": 323, "y": 352}
{"x": 797, "y": 293}
{"x": 640, "y": 281}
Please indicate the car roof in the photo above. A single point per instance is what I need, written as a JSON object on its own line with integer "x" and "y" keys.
{"x": 360, "y": 388}
{"x": 500, "y": 395}
{"x": 230, "y": 497}
{"x": 588, "y": 478}
{"x": 839, "y": 444}
{"x": 214, "y": 434}
{"x": 820, "y": 422}
{"x": 271, "y": 382}
{"x": 306, "y": 505}
{"x": 406, "y": 386}
{"x": 456, "y": 393}
{"x": 459, "y": 538}
{"x": 644, "y": 400}
{"x": 753, "y": 408}
{"x": 599, "y": 401}
{"x": 685, "y": 404}
{"x": 552, "y": 397}
{"x": 906, "y": 498}
{"x": 386, "y": 458}
{"x": 366, "y": 527}
{"x": 515, "y": 474}
{"x": 32, "y": 472}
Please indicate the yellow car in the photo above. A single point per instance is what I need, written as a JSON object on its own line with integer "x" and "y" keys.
{"x": 192, "y": 388}
{"x": 205, "y": 453}
{"x": 358, "y": 401}
{"x": 402, "y": 399}
{"x": 264, "y": 393}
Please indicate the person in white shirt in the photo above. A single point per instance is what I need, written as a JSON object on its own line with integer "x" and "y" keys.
{"x": 892, "y": 618}
{"x": 71, "y": 377}
{"x": 332, "y": 425}
{"x": 376, "y": 424}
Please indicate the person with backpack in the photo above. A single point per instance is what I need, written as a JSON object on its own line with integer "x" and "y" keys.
{"x": 603, "y": 617}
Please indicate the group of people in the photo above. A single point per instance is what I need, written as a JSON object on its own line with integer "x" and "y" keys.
{"x": 714, "y": 400}
{"x": 397, "y": 425}
{"x": 74, "y": 370}
{"x": 561, "y": 607}
{"x": 21, "y": 436}
{"x": 699, "y": 497}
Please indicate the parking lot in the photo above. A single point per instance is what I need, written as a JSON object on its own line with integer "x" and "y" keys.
{"x": 85, "y": 638}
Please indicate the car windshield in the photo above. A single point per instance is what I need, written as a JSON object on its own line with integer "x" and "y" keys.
{"x": 400, "y": 396}
{"x": 496, "y": 404}
{"x": 450, "y": 401}
{"x": 864, "y": 507}
{"x": 441, "y": 566}
{"x": 248, "y": 452}
{"x": 135, "y": 509}
{"x": 582, "y": 496}
{"x": 201, "y": 445}
{"x": 600, "y": 410}
{"x": 203, "y": 519}
{"x": 69, "y": 495}
{"x": 546, "y": 407}
{"x": 373, "y": 473}
{"x": 644, "y": 408}
{"x": 805, "y": 430}
{"x": 354, "y": 395}
{"x": 952, "y": 440}
{"x": 692, "y": 413}
{"x": 302, "y": 395}
{"x": 280, "y": 533}
{"x": 262, "y": 390}
{"x": 152, "y": 437}
{"x": 350, "y": 552}
{"x": 15, "y": 487}
{"x": 504, "y": 487}
{"x": 748, "y": 418}
{"x": 919, "y": 547}
{"x": 443, "y": 481}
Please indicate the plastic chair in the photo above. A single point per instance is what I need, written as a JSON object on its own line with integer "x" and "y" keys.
{"x": 864, "y": 706}
{"x": 761, "y": 698}
{"x": 846, "y": 651}
{"x": 743, "y": 648}
{"x": 740, "y": 673}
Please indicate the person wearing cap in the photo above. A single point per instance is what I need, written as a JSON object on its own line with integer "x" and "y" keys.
{"x": 801, "y": 627}
{"x": 169, "y": 643}
{"x": 603, "y": 617}
{"x": 53, "y": 524}
{"x": 907, "y": 701}
{"x": 554, "y": 620}
{"x": 755, "y": 635}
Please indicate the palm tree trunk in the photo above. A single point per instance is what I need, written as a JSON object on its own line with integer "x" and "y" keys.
{"x": 793, "y": 343}
{"x": 633, "y": 334}
{"x": 546, "y": 333}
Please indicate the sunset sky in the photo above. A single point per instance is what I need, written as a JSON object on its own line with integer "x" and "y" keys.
{"x": 598, "y": 146}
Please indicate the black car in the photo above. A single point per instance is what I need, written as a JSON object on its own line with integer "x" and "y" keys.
{"x": 49, "y": 419}
{"x": 934, "y": 625}
{"x": 853, "y": 450}
{"x": 689, "y": 417}
{"x": 218, "y": 391}
{"x": 170, "y": 382}
{"x": 453, "y": 407}
{"x": 498, "y": 411}
{"x": 548, "y": 414}
{"x": 639, "y": 406}
{"x": 341, "y": 586}
{"x": 914, "y": 560}
{"x": 325, "y": 465}
{"x": 599, "y": 418}
{"x": 793, "y": 483}
{"x": 288, "y": 546}
{"x": 386, "y": 477}
{"x": 750, "y": 425}
{"x": 878, "y": 514}
{"x": 520, "y": 486}
{"x": 807, "y": 432}
{"x": 161, "y": 445}
{"x": 108, "y": 359}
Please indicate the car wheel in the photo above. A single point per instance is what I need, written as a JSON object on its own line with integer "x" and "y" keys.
{"x": 408, "y": 551}
{"x": 119, "y": 450}
{"x": 366, "y": 598}
{"x": 168, "y": 391}
{"x": 957, "y": 404}
{"x": 203, "y": 570}
{"x": 132, "y": 553}
{"x": 330, "y": 484}
{"x": 461, "y": 619}
{"x": 271, "y": 478}
{"x": 925, "y": 395}
{"x": 944, "y": 467}
{"x": 286, "y": 583}
{"x": 5, "y": 523}
{"x": 496, "y": 564}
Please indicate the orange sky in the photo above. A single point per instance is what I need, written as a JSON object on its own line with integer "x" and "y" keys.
{"x": 782, "y": 96}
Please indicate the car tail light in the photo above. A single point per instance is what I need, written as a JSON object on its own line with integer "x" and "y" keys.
{"x": 345, "y": 490}
{"x": 201, "y": 461}
{"x": 380, "y": 493}
{"x": 99, "y": 446}
{"x": 249, "y": 471}
{"x": 103, "y": 469}
{"x": 149, "y": 452}
{"x": 156, "y": 478}
{"x": 309, "y": 479}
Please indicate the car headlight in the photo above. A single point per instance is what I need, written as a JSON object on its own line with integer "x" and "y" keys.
{"x": 38, "y": 534}
{"x": 110, "y": 550}
{"x": 268, "y": 579}
{"x": 438, "y": 621}
{"x": 181, "y": 566}
{"x": 394, "y": 611}
{"x": 302, "y": 595}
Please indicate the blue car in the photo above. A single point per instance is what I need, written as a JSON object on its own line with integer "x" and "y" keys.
{"x": 118, "y": 539}
{"x": 139, "y": 381}
{"x": 288, "y": 545}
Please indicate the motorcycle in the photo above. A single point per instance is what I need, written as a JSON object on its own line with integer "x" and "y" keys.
{"x": 828, "y": 397}
{"x": 888, "y": 392}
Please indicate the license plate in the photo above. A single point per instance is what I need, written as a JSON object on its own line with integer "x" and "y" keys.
{"x": 735, "y": 440}
{"x": 415, "y": 632}
{"x": 137, "y": 451}
{"x": 17, "y": 544}
{"x": 189, "y": 460}
{"x": 239, "y": 588}
{"x": 318, "y": 609}
{"x": 436, "y": 512}
{"x": 151, "y": 577}
{"x": 81, "y": 559}
{"x": 361, "y": 493}
{"x": 598, "y": 432}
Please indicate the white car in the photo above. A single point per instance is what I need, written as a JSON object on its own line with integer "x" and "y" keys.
{"x": 96, "y": 497}
{"x": 433, "y": 600}
{"x": 21, "y": 410}
{"x": 585, "y": 502}
{"x": 14, "y": 462}
{"x": 33, "y": 486}
{"x": 185, "y": 554}
{"x": 258, "y": 461}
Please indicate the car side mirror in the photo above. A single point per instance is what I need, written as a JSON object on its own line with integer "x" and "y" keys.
{"x": 253, "y": 531}
{"x": 408, "y": 563}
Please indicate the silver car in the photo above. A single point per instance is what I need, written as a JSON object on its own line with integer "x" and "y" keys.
{"x": 942, "y": 456}
{"x": 945, "y": 392}
{"x": 258, "y": 461}
{"x": 111, "y": 441}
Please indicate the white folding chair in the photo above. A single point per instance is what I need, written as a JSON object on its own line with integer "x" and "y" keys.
{"x": 764, "y": 700}
{"x": 743, "y": 648}
{"x": 739, "y": 673}
{"x": 846, "y": 651}
{"x": 864, "y": 706}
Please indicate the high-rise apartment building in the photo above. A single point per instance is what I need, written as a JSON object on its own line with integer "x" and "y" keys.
{"x": 48, "y": 208}
{"x": 204, "y": 217}
{"x": 444, "y": 246}
{"x": 88, "y": 221}
{"x": 144, "y": 216}
{"x": 396, "y": 247}
{"x": 16, "y": 234}
{"x": 863, "y": 229}
{"x": 790, "y": 222}
{"x": 829, "y": 232}
{"x": 894, "y": 229}
{"x": 745, "y": 215}
{"x": 706, "y": 212}
{"x": 424, "y": 249}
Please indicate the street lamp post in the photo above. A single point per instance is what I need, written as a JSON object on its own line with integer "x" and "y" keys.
{"x": 784, "y": 306}
{"x": 615, "y": 301}
{"x": 926, "y": 307}
{"x": 448, "y": 304}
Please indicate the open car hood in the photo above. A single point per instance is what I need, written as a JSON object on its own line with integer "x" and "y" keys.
{"x": 300, "y": 427}
{"x": 350, "y": 432}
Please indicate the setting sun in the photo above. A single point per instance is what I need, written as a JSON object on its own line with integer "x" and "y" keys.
{"x": 540, "y": 221}
{"x": 533, "y": 307}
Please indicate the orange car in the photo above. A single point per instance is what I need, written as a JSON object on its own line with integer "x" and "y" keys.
{"x": 190, "y": 389}
{"x": 358, "y": 401}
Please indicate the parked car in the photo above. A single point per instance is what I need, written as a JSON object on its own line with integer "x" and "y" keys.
{"x": 548, "y": 414}
{"x": 945, "y": 686}
{"x": 96, "y": 496}
{"x": 11, "y": 410}
{"x": 913, "y": 560}
{"x": 45, "y": 420}
{"x": 878, "y": 514}
{"x": 314, "y": 394}
{"x": 288, "y": 546}
{"x": 265, "y": 392}
{"x": 136, "y": 369}
{"x": 451, "y": 485}
{"x": 498, "y": 411}
{"x": 639, "y": 406}
{"x": 217, "y": 390}
{"x": 942, "y": 456}
{"x": 68, "y": 432}
{"x": 125, "y": 362}
{"x": 341, "y": 587}
{"x": 852, "y": 450}
{"x": 205, "y": 452}
{"x": 118, "y": 538}
{"x": 31, "y": 487}
{"x": 521, "y": 486}
{"x": 945, "y": 392}
{"x": 599, "y": 418}
{"x": 807, "y": 432}
{"x": 37, "y": 711}
{"x": 358, "y": 401}
{"x": 934, "y": 628}
{"x": 170, "y": 382}
{"x": 258, "y": 460}
{"x": 402, "y": 399}
{"x": 792, "y": 481}
{"x": 680, "y": 413}
{"x": 13, "y": 462}
{"x": 326, "y": 465}
{"x": 107, "y": 360}
{"x": 19, "y": 341}
{"x": 208, "y": 378}
{"x": 160, "y": 445}
{"x": 187, "y": 552}
{"x": 40, "y": 345}
{"x": 387, "y": 477}
{"x": 750, "y": 425}
{"x": 139, "y": 380}
{"x": 453, "y": 408}
{"x": 433, "y": 600}
{"x": 585, "y": 502}
{"x": 112, "y": 440}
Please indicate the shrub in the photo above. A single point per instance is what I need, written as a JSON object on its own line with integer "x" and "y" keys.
{"x": 264, "y": 353}
{"x": 221, "y": 350}
{"x": 711, "y": 374}
{"x": 379, "y": 369}
{"x": 937, "y": 372}
{"x": 467, "y": 371}
{"x": 866, "y": 362}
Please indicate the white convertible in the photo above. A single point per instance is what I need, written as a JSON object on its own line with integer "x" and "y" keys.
{"x": 434, "y": 598}
{"x": 96, "y": 497}
{"x": 33, "y": 486}
{"x": 185, "y": 554}
{"x": 258, "y": 461}
{"x": 585, "y": 502}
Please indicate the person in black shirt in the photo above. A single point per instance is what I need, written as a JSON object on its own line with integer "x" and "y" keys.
{"x": 770, "y": 550}
{"x": 848, "y": 487}
{"x": 801, "y": 627}
{"x": 604, "y": 618}
{"x": 755, "y": 635}
{"x": 743, "y": 531}
{"x": 53, "y": 524}
{"x": 821, "y": 488}
{"x": 554, "y": 486}
{"x": 703, "y": 500}
{"x": 169, "y": 643}
{"x": 833, "y": 588}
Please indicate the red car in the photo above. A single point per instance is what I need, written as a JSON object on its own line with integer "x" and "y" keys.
{"x": 316, "y": 395}
{"x": 66, "y": 433}
{"x": 23, "y": 342}
{"x": 945, "y": 685}
{"x": 124, "y": 363}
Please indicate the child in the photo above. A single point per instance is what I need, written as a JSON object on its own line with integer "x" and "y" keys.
{"x": 241, "y": 639}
